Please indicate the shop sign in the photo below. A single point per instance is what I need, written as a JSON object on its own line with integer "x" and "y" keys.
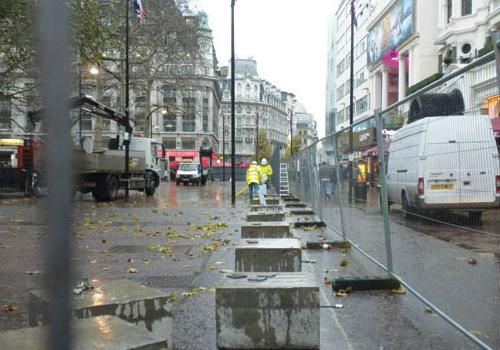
{"x": 388, "y": 135}
{"x": 364, "y": 138}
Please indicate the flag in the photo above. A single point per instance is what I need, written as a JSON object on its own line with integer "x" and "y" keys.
{"x": 139, "y": 10}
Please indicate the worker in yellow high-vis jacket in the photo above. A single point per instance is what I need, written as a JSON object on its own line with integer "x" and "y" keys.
{"x": 266, "y": 171}
{"x": 253, "y": 180}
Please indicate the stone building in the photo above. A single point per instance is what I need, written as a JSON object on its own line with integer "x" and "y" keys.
{"x": 258, "y": 105}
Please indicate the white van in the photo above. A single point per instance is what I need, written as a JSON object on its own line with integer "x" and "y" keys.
{"x": 445, "y": 163}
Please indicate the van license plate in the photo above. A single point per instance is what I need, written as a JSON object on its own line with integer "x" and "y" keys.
{"x": 441, "y": 186}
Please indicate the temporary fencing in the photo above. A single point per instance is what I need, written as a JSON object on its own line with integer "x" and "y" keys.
{"x": 440, "y": 232}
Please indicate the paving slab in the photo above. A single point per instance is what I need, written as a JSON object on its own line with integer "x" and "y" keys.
{"x": 277, "y": 312}
{"x": 97, "y": 333}
{"x": 266, "y": 229}
{"x": 263, "y": 216}
{"x": 143, "y": 306}
{"x": 268, "y": 255}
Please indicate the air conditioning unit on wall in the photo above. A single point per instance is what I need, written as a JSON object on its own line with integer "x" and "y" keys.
{"x": 465, "y": 53}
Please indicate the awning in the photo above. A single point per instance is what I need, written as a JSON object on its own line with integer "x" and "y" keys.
{"x": 373, "y": 152}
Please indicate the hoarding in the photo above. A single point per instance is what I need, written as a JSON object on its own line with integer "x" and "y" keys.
{"x": 395, "y": 26}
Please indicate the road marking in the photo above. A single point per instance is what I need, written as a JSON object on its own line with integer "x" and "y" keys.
{"x": 332, "y": 311}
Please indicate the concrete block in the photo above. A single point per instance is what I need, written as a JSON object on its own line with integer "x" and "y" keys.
{"x": 268, "y": 255}
{"x": 301, "y": 211}
{"x": 357, "y": 283}
{"x": 280, "y": 312}
{"x": 143, "y": 306}
{"x": 272, "y": 201}
{"x": 97, "y": 333}
{"x": 266, "y": 230}
{"x": 259, "y": 216}
{"x": 295, "y": 205}
{"x": 267, "y": 208}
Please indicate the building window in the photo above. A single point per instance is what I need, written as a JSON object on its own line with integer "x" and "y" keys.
{"x": 188, "y": 143}
{"x": 362, "y": 105}
{"x": 86, "y": 122}
{"x": 466, "y": 7}
{"x": 449, "y": 10}
{"x": 205, "y": 115}
{"x": 170, "y": 123}
{"x": 169, "y": 143}
{"x": 189, "y": 117}
{"x": 5, "y": 112}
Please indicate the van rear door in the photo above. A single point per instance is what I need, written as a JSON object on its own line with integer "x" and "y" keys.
{"x": 478, "y": 163}
{"x": 442, "y": 173}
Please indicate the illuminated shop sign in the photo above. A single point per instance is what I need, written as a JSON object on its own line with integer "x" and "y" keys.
{"x": 395, "y": 26}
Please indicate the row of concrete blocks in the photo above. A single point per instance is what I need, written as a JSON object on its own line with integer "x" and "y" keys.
{"x": 268, "y": 303}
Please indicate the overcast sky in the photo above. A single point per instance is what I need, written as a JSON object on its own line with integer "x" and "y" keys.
{"x": 287, "y": 38}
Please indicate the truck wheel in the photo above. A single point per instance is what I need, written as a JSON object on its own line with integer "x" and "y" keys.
{"x": 150, "y": 189}
{"x": 475, "y": 217}
{"x": 112, "y": 188}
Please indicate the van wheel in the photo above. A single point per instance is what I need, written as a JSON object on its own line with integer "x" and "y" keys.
{"x": 405, "y": 207}
{"x": 475, "y": 217}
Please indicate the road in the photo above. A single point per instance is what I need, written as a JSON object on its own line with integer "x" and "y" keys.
{"x": 111, "y": 238}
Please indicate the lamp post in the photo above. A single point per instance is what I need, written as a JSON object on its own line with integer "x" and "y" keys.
{"x": 127, "y": 101}
{"x": 291, "y": 134}
{"x": 233, "y": 145}
{"x": 257, "y": 137}
{"x": 223, "y": 147}
{"x": 351, "y": 103}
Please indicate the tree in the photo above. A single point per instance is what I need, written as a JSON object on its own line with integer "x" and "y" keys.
{"x": 265, "y": 148}
{"x": 296, "y": 143}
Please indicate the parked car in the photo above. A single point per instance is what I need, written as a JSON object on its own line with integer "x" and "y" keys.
{"x": 443, "y": 163}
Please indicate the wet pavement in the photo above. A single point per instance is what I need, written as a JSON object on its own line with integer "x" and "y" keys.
{"x": 182, "y": 241}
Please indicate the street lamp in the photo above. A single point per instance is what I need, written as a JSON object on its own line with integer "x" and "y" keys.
{"x": 233, "y": 144}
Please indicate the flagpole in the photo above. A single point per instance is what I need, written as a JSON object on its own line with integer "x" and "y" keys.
{"x": 127, "y": 100}
{"x": 351, "y": 105}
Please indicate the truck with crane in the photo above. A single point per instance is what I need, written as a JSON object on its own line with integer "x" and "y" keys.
{"x": 102, "y": 171}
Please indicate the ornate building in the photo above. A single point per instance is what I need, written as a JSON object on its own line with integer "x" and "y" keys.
{"x": 259, "y": 105}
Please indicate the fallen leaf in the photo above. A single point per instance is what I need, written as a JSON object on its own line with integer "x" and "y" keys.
{"x": 93, "y": 261}
{"x": 344, "y": 262}
{"x": 103, "y": 241}
{"x": 172, "y": 296}
{"x": 9, "y": 307}
{"x": 326, "y": 280}
{"x": 219, "y": 263}
{"x": 225, "y": 271}
{"x": 132, "y": 270}
{"x": 476, "y": 332}
{"x": 427, "y": 310}
{"x": 472, "y": 261}
{"x": 400, "y": 290}
{"x": 210, "y": 267}
{"x": 131, "y": 261}
{"x": 33, "y": 272}
{"x": 340, "y": 294}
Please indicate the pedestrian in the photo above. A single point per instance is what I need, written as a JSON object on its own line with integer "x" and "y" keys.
{"x": 325, "y": 183}
{"x": 253, "y": 180}
{"x": 266, "y": 171}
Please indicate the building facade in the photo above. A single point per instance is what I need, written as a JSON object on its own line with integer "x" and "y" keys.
{"x": 259, "y": 105}
{"x": 394, "y": 48}
{"x": 306, "y": 129}
{"x": 331, "y": 77}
